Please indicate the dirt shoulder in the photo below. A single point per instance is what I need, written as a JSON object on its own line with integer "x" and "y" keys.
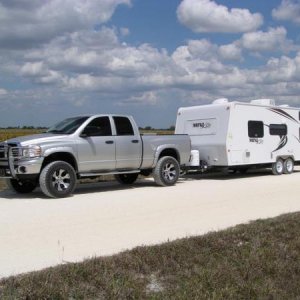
{"x": 105, "y": 218}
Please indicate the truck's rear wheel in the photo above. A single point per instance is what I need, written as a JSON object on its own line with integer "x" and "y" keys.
{"x": 288, "y": 166}
{"x": 21, "y": 186}
{"x": 166, "y": 171}
{"x": 126, "y": 178}
{"x": 58, "y": 179}
{"x": 277, "y": 167}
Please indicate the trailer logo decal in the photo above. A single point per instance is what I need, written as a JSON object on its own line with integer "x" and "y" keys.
{"x": 256, "y": 140}
{"x": 202, "y": 125}
{"x": 282, "y": 113}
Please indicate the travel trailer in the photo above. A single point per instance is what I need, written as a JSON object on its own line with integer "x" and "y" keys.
{"x": 238, "y": 136}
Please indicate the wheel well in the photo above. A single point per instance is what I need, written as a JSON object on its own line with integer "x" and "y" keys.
{"x": 170, "y": 152}
{"x": 63, "y": 156}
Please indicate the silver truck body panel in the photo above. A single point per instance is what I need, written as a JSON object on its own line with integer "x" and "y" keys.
{"x": 112, "y": 153}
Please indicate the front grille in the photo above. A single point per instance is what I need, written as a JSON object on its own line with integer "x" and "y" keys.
{"x": 15, "y": 150}
{"x": 3, "y": 151}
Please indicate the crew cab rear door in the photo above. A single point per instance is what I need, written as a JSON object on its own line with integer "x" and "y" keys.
{"x": 96, "y": 146}
{"x": 128, "y": 144}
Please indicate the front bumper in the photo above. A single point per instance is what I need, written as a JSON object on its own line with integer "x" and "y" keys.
{"x": 14, "y": 166}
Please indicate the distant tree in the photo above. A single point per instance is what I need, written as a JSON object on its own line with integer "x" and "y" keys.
{"x": 148, "y": 128}
{"x": 172, "y": 128}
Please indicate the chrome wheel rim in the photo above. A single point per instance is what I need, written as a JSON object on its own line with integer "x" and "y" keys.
{"x": 61, "y": 180}
{"x": 289, "y": 165}
{"x": 169, "y": 171}
{"x": 279, "y": 166}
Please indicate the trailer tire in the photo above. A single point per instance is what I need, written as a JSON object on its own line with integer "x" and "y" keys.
{"x": 277, "y": 167}
{"x": 288, "y": 166}
{"x": 58, "y": 179}
{"x": 126, "y": 178}
{"x": 166, "y": 171}
{"x": 21, "y": 186}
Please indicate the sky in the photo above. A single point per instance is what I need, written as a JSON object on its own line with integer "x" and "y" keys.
{"x": 146, "y": 58}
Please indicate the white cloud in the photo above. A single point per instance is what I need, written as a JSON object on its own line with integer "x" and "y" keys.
{"x": 230, "y": 52}
{"x": 287, "y": 11}
{"x": 275, "y": 39}
{"x": 3, "y": 92}
{"x": 124, "y": 31}
{"x": 146, "y": 98}
{"x": 208, "y": 16}
{"x": 31, "y": 22}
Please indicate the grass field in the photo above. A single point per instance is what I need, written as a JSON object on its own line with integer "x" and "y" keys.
{"x": 6, "y": 134}
{"x": 260, "y": 260}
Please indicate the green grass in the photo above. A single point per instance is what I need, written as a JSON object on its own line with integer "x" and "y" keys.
{"x": 260, "y": 260}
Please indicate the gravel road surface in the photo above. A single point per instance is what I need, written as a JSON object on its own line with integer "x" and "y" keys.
{"x": 106, "y": 218}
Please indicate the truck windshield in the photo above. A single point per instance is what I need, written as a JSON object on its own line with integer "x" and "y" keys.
{"x": 67, "y": 126}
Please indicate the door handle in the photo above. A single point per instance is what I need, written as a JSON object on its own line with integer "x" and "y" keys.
{"x": 109, "y": 142}
{"x": 135, "y": 141}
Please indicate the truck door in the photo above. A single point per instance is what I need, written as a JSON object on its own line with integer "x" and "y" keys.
{"x": 128, "y": 145}
{"x": 96, "y": 146}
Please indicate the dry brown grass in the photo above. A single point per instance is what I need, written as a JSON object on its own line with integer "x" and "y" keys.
{"x": 6, "y": 134}
{"x": 256, "y": 261}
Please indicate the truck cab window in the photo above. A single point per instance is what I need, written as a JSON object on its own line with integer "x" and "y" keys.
{"x": 278, "y": 129}
{"x": 255, "y": 129}
{"x": 123, "y": 126}
{"x": 98, "y": 127}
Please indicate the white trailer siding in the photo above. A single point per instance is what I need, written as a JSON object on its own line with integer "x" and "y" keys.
{"x": 238, "y": 134}
{"x": 245, "y": 149}
{"x": 207, "y": 127}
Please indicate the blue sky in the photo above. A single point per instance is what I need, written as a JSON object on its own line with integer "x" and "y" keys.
{"x": 60, "y": 58}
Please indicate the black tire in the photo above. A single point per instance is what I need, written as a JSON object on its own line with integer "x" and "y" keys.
{"x": 21, "y": 186}
{"x": 277, "y": 167}
{"x": 58, "y": 179}
{"x": 166, "y": 171}
{"x": 126, "y": 178}
{"x": 243, "y": 170}
{"x": 288, "y": 166}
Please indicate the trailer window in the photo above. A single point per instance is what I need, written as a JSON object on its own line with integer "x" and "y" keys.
{"x": 123, "y": 126}
{"x": 278, "y": 129}
{"x": 255, "y": 129}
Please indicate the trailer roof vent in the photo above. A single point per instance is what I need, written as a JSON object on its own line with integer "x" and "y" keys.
{"x": 220, "y": 101}
{"x": 268, "y": 102}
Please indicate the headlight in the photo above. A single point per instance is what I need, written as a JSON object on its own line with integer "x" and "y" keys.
{"x": 32, "y": 151}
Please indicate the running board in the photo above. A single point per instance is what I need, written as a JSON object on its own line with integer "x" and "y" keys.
{"x": 81, "y": 175}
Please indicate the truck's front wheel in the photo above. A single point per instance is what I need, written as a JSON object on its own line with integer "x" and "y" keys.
{"x": 166, "y": 171}
{"x": 58, "y": 179}
{"x": 21, "y": 186}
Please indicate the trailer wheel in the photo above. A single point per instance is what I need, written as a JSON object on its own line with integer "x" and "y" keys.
{"x": 58, "y": 179}
{"x": 21, "y": 186}
{"x": 277, "y": 167}
{"x": 126, "y": 178}
{"x": 166, "y": 171}
{"x": 288, "y": 166}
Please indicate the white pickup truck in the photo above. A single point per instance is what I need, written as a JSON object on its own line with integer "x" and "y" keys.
{"x": 89, "y": 146}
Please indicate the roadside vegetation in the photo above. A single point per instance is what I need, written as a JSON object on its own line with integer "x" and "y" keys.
{"x": 260, "y": 260}
{"x": 8, "y": 133}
